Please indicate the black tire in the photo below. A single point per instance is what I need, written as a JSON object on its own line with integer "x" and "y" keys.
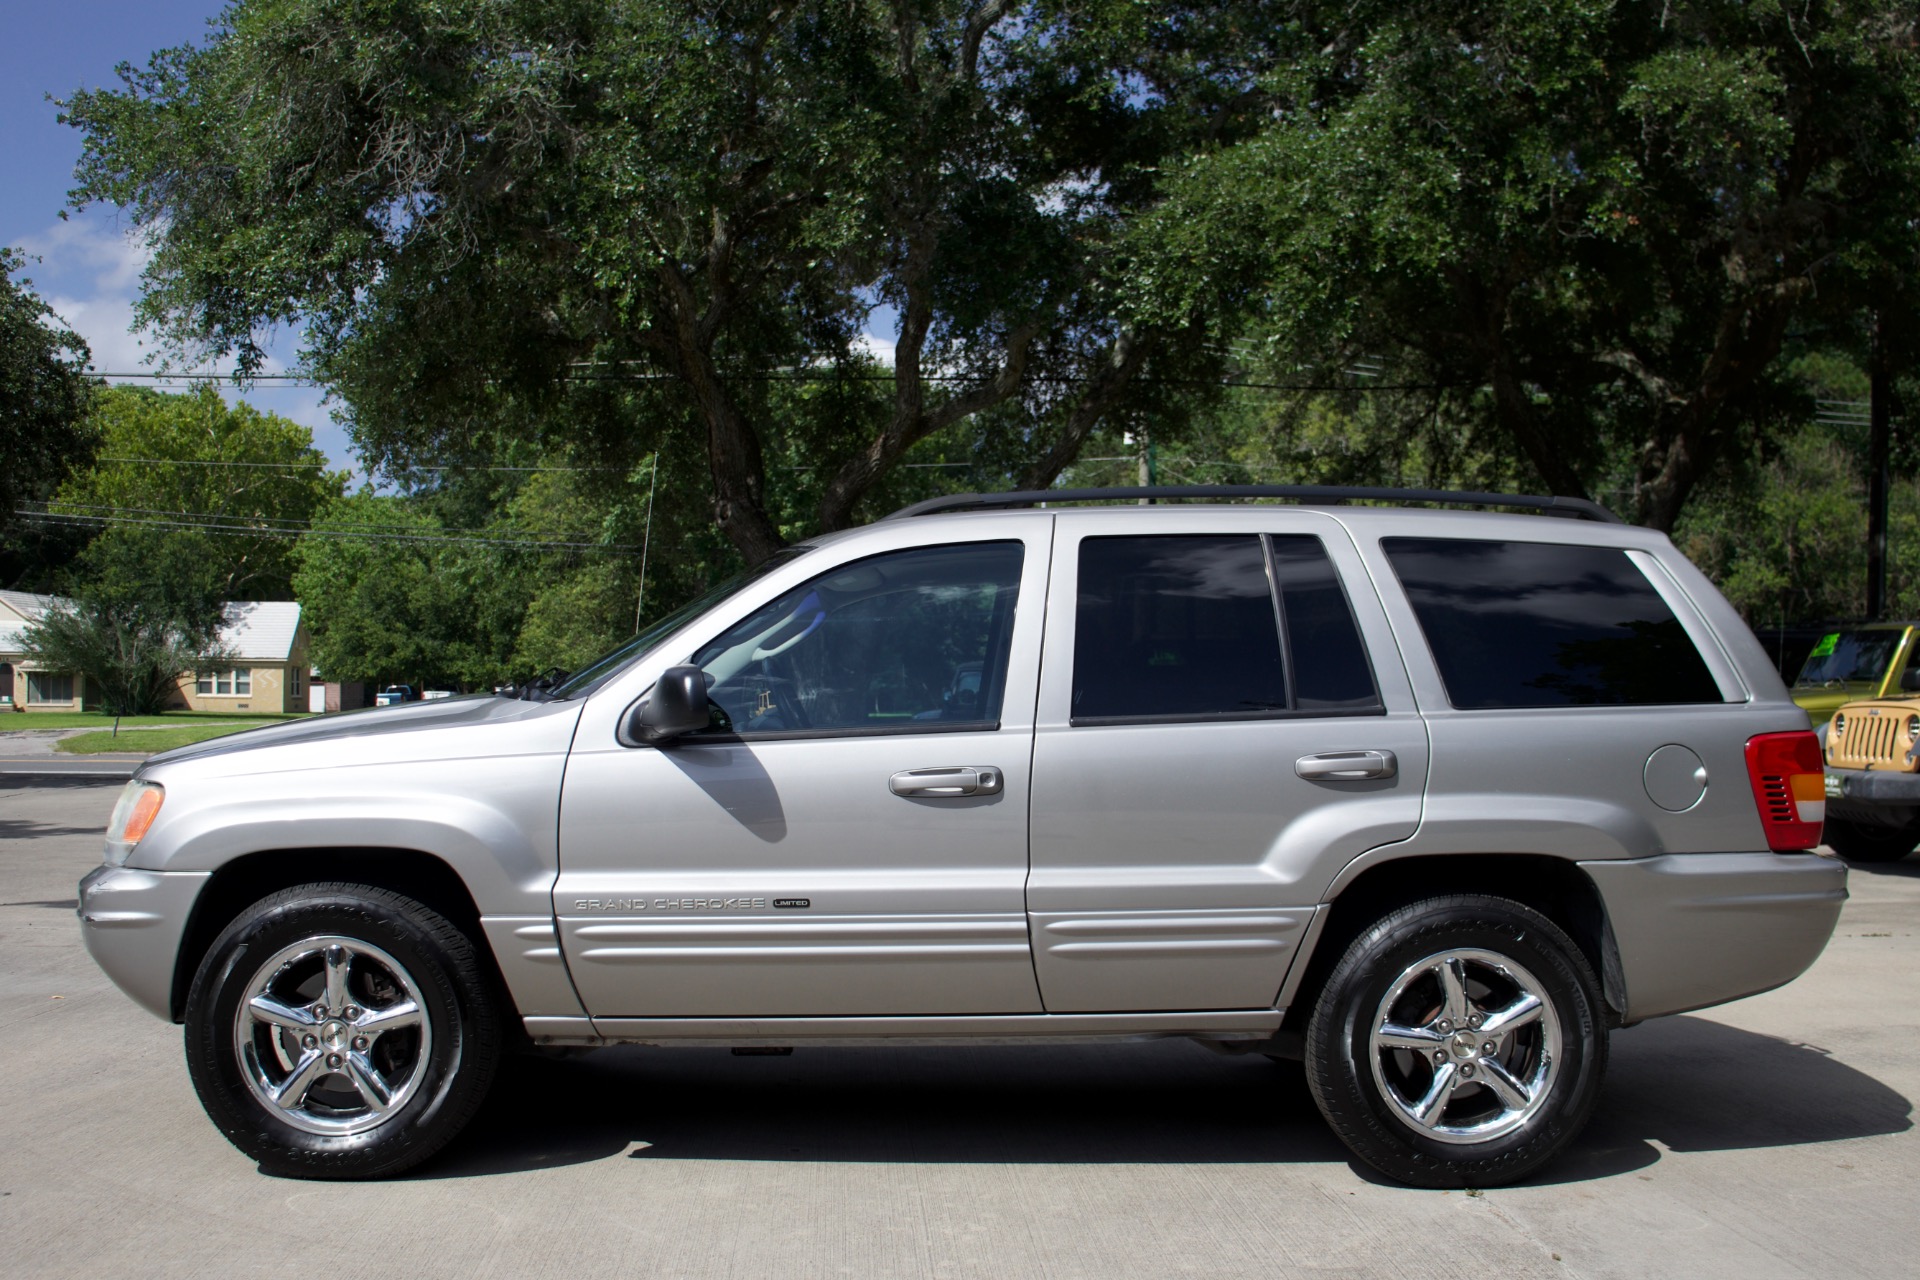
{"x": 1860, "y": 842}
{"x": 437, "y": 1068}
{"x": 1341, "y": 1051}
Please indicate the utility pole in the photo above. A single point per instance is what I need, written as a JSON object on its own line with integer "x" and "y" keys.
{"x": 1879, "y": 467}
{"x": 1149, "y": 469}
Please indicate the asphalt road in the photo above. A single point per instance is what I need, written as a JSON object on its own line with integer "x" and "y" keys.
{"x": 1772, "y": 1137}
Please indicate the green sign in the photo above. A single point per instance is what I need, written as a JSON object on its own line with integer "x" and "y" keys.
{"x": 1825, "y": 648}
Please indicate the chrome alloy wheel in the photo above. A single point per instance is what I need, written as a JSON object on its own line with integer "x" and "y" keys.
{"x": 1465, "y": 1046}
{"x": 332, "y": 1035}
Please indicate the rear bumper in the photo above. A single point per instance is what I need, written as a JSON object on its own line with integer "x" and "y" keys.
{"x": 1698, "y": 929}
{"x": 132, "y": 922}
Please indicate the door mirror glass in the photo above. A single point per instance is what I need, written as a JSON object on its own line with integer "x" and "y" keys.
{"x": 677, "y": 705}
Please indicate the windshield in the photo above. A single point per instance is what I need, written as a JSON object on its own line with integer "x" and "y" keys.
{"x": 597, "y": 673}
{"x": 1848, "y": 657}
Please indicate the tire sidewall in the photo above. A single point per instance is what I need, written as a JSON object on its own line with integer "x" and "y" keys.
{"x": 408, "y": 933}
{"x": 1340, "y": 1041}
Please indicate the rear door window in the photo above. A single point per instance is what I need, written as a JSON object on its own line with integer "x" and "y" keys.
{"x": 1191, "y": 627}
{"x": 1536, "y": 624}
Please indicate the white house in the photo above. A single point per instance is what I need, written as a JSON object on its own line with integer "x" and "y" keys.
{"x": 268, "y": 670}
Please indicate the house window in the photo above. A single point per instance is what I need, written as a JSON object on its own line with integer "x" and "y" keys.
{"x": 237, "y": 682}
{"x": 49, "y": 686}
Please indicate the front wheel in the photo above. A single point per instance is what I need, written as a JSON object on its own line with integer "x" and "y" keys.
{"x": 1860, "y": 842}
{"x": 1459, "y": 1042}
{"x": 341, "y": 1031}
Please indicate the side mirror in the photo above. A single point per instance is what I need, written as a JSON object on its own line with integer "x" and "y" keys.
{"x": 1910, "y": 680}
{"x": 677, "y": 705}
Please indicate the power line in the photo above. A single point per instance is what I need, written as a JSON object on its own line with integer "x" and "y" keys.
{"x": 827, "y": 375}
{"x": 242, "y": 531}
{"x": 306, "y": 466}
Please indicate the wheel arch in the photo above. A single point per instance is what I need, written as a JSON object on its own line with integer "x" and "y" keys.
{"x": 1554, "y": 886}
{"x": 239, "y": 883}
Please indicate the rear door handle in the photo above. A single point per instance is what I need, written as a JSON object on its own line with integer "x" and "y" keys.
{"x": 936, "y": 784}
{"x": 1346, "y": 766}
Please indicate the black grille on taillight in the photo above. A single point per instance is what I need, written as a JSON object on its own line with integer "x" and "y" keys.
{"x": 1778, "y": 799}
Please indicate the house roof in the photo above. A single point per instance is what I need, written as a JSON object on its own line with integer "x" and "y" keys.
{"x": 28, "y": 605}
{"x": 260, "y": 630}
{"x": 254, "y": 630}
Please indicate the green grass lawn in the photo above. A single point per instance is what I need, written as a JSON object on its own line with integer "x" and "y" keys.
{"x": 148, "y": 740}
{"x": 95, "y": 720}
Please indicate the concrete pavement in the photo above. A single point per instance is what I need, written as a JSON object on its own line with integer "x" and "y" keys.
{"x": 1769, "y": 1138}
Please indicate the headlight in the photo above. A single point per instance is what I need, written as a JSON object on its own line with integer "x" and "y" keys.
{"x": 1913, "y": 728}
{"x": 132, "y": 818}
{"x": 1839, "y": 726}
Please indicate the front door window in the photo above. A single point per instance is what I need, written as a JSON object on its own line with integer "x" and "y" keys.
{"x": 906, "y": 642}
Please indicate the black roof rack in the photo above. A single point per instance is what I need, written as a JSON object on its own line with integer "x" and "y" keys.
{"x": 1575, "y": 508}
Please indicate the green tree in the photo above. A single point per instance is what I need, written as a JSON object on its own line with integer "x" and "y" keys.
{"x": 44, "y": 427}
{"x": 196, "y": 502}
{"x": 472, "y": 205}
{"x": 1595, "y": 224}
{"x": 391, "y": 594}
{"x": 131, "y": 655}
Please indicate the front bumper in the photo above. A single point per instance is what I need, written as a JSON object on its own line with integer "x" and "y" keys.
{"x": 1698, "y": 929}
{"x": 132, "y": 922}
{"x": 1872, "y": 794}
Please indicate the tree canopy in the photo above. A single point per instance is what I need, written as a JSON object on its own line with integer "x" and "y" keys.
{"x": 473, "y": 206}
{"x": 1594, "y": 225}
{"x": 193, "y": 502}
{"x": 44, "y": 400}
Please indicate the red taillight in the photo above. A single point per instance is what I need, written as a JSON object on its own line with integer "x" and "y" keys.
{"x": 1789, "y": 786}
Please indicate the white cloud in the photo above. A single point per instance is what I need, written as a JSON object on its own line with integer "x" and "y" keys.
{"x": 875, "y": 347}
{"x": 89, "y": 273}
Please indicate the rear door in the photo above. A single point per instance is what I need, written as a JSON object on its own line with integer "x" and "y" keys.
{"x": 1215, "y": 732}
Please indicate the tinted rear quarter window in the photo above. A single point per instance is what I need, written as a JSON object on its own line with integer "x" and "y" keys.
{"x": 1536, "y": 624}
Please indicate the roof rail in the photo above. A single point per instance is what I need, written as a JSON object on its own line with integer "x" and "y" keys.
{"x": 1575, "y": 508}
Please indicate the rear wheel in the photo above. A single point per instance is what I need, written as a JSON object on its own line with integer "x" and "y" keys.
{"x": 1458, "y": 1043}
{"x": 1861, "y": 842}
{"x": 341, "y": 1031}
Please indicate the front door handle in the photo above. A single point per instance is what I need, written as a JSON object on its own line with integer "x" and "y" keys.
{"x": 937, "y": 784}
{"x": 1346, "y": 766}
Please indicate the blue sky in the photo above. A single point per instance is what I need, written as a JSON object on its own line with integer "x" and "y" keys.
{"x": 89, "y": 268}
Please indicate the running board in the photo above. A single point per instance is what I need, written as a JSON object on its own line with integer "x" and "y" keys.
{"x": 968, "y": 1029}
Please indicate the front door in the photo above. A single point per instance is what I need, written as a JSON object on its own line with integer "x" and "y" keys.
{"x": 851, "y": 836}
{"x": 1215, "y": 740}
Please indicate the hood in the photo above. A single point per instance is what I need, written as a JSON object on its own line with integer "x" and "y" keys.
{"x": 446, "y": 728}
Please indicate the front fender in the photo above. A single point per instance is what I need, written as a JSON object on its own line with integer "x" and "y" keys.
{"x": 495, "y": 823}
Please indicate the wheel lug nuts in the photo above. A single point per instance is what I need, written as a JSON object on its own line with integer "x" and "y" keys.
{"x": 350, "y": 1012}
{"x": 1445, "y": 1025}
{"x": 360, "y": 1043}
{"x": 1439, "y": 1055}
{"x": 1475, "y": 1020}
{"x": 1489, "y": 1048}
{"x": 1467, "y": 1070}
{"x": 333, "y": 1059}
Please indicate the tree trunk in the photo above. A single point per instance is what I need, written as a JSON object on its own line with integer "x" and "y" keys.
{"x": 1104, "y": 390}
{"x": 1879, "y": 477}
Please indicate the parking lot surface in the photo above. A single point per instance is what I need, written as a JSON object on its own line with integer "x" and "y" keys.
{"x": 1772, "y": 1137}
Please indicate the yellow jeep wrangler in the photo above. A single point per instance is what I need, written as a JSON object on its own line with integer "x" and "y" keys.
{"x": 1873, "y": 660}
{"x": 1872, "y": 751}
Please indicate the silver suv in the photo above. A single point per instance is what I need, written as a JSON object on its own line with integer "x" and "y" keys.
{"x": 1432, "y": 799}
